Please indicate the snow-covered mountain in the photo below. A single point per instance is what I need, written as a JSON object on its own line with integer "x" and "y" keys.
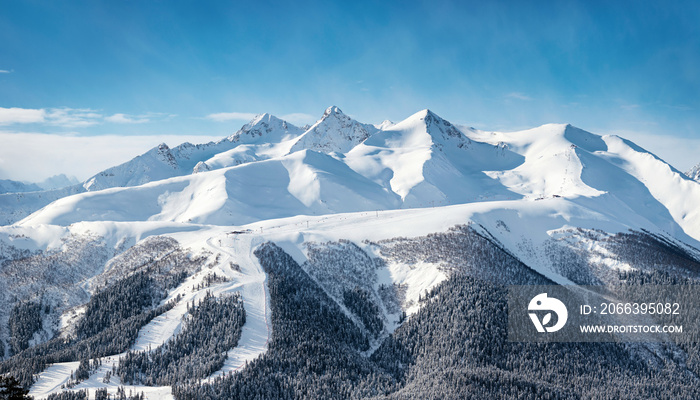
{"x": 262, "y": 172}
{"x": 159, "y": 163}
{"x": 57, "y": 182}
{"x": 367, "y": 219}
{"x": 334, "y": 132}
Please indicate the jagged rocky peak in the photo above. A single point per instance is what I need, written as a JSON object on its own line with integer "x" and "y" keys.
{"x": 201, "y": 167}
{"x": 165, "y": 155}
{"x": 333, "y": 110}
{"x": 334, "y": 132}
{"x": 694, "y": 173}
{"x": 265, "y": 126}
{"x": 333, "y": 113}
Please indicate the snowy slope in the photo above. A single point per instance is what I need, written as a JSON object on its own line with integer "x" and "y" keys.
{"x": 427, "y": 161}
{"x": 162, "y": 162}
{"x": 608, "y": 174}
{"x": 551, "y": 165}
{"x": 15, "y": 206}
{"x": 156, "y": 164}
{"x": 305, "y": 182}
{"x": 263, "y": 138}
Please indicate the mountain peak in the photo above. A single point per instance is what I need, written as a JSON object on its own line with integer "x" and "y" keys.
{"x": 334, "y": 132}
{"x": 333, "y": 110}
{"x": 440, "y": 128}
{"x": 263, "y": 125}
{"x": 425, "y": 115}
{"x": 694, "y": 173}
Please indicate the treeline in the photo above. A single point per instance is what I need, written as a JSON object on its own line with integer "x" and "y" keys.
{"x": 101, "y": 335}
{"x": 100, "y": 394}
{"x": 212, "y": 328}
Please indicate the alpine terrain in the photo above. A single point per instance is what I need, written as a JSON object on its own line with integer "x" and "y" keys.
{"x": 342, "y": 260}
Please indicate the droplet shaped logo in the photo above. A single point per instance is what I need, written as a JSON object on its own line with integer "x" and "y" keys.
{"x": 543, "y": 303}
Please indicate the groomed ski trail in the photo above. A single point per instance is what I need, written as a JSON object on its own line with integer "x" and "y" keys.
{"x": 250, "y": 281}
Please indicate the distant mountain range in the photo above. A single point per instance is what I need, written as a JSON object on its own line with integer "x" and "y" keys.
{"x": 54, "y": 182}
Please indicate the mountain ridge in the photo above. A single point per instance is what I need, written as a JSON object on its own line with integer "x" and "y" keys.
{"x": 422, "y": 161}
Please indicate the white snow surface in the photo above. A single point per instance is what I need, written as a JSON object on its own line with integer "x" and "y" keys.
{"x": 340, "y": 179}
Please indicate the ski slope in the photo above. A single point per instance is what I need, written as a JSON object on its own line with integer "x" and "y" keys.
{"x": 250, "y": 282}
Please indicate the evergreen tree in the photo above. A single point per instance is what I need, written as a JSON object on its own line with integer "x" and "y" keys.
{"x": 10, "y": 389}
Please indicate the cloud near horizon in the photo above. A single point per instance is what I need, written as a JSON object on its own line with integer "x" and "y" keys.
{"x": 71, "y": 117}
{"x": 15, "y": 115}
{"x": 33, "y": 157}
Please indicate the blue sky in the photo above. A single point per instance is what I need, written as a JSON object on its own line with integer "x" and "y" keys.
{"x": 139, "y": 68}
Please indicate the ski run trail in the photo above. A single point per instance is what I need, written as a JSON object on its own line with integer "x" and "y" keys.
{"x": 235, "y": 260}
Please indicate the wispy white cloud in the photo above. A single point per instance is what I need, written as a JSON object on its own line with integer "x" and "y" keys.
{"x": 231, "y": 116}
{"x": 518, "y": 96}
{"x": 4, "y": 71}
{"x": 72, "y": 117}
{"x": 299, "y": 118}
{"x": 120, "y": 118}
{"x": 65, "y": 117}
{"x": 16, "y": 115}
